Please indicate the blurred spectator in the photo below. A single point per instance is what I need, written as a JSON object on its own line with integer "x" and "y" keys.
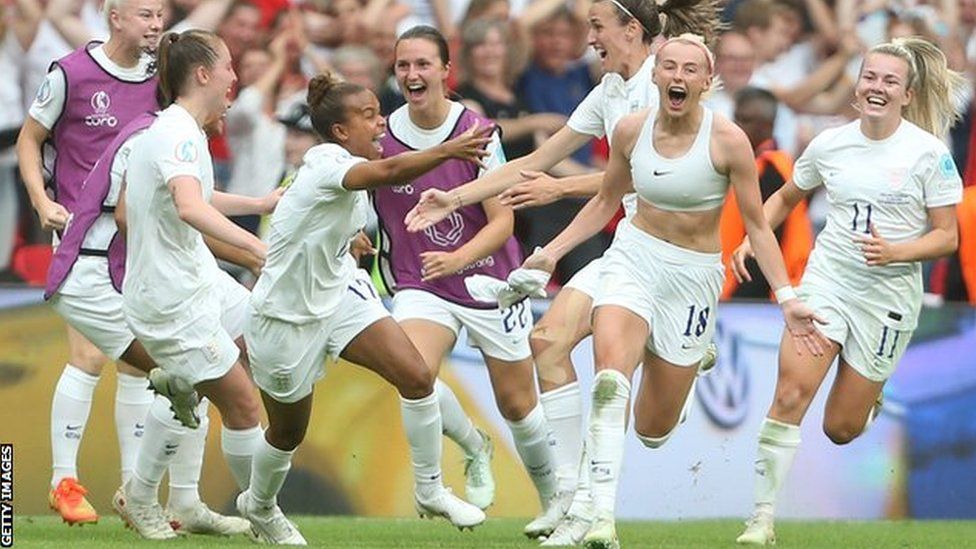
{"x": 487, "y": 62}
{"x": 255, "y": 137}
{"x": 359, "y": 65}
{"x": 556, "y": 80}
{"x": 241, "y": 28}
{"x": 755, "y": 113}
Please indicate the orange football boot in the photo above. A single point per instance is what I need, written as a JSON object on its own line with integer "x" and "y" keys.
{"x": 68, "y": 499}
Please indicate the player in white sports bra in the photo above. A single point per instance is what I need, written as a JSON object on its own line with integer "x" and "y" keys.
{"x": 892, "y": 187}
{"x": 621, "y": 33}
{"x": 662, "y": 276}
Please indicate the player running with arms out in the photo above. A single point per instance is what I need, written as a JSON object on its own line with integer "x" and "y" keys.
{"x": 86, "y": 98}
{"x": 184, "y": 310}
{"x": 892, "y": 187}
{"x": 661, "y": 278}
{"x": 427, "y": 270}
{"x": 622, "y": 33}
{"x": 312, "y": 302}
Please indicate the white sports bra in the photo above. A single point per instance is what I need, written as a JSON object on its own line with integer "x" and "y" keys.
{"x": 688, "y": 183}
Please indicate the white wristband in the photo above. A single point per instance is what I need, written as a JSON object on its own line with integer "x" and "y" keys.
{"x": 785, "y": 293}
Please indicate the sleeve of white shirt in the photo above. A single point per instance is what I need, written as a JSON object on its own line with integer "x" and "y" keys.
{"x": 806, "y": 175}
{"x": 338, "y": 166}
{"x": 49, "y": 99}
{"x": 942, "y": 185}
{"x": 587, "y": 118}
{"x": 177, "y": 154}
{"x": 496, "y": 154}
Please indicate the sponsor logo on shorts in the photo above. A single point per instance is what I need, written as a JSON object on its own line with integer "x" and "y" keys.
{"x": 100, "y": 103}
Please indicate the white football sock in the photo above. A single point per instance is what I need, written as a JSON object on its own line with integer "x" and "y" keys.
{"x": 132, "y": 401}
{"x": 456, "y": 424}
{"x": 564, "y": 413}
{"x": 778, "y": 442}
{"x": 268, "y": 473}
{"x": 69, "y": 415}
{"x": 161, "y": 440}
{"x": 605, "y": 438}
{"x": 239, "y": 446}
{"x": 422, "y": 424}
{"x": 184, "y": 471}
{"x": 582, "y": 505}
{"x": 531, "y": 436}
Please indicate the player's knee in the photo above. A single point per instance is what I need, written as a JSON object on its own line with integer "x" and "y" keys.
{"x": 841, "y": 432}
{"x": 788, "y": 400}
{"x": 514, "y": 405}
{"x": 242, "y": 411}
{"x": 653, "y": 432}
{"x": 417, "y": 382}
{"x": 91, "y": 361}
{"x": 549, "y": 342}
{"x": 285, "y": 437}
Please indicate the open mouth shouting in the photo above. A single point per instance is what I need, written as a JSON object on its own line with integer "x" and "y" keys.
{"x": 676, "y": 97}
{"x": 415, "y": 91}
{"x": 376, "y": 142}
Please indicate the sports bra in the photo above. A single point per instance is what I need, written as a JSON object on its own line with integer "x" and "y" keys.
{"x": 688, "y": 183}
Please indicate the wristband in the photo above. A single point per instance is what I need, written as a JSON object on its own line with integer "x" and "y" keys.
{"x": 784, "y": 294}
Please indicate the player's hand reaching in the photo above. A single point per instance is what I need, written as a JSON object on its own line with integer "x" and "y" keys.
{"x": 361, "y": 245}
{"x": 538, "y": 189}
{"x": 540, "y": 260}
{"x": 439, "y": 264}
{"x": 738, "y": 261}
{"x": 270, "y": 201}
{"x": 53, "y": 216}
{"x": 877, "y": 251}
{"x": 433, "y": 206}
{"x": 471, "y": 144}
{"x": 801, "y": 322}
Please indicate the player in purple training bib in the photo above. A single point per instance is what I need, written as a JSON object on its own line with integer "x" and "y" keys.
{"x": 425, "y": 271}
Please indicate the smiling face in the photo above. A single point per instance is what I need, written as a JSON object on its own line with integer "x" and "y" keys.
{"x": 420, "y": 72}
{"x": 611, "y": 39}
{"x": 363, "y": 127}
{"x": 138, "y": 23}
{"x": 882, "y": 87}
{"x": 681, "y": 74}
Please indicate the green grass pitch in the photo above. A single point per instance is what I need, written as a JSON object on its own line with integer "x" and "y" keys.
{"x": 364, "y": 533}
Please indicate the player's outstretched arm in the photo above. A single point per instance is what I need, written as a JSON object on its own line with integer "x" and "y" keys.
{"x": 470, "y": 146}
{"x": 434, "y": 205}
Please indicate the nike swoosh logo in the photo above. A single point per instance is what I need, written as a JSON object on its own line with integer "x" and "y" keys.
{"x": 659, "y": 173}
{"x": 140, "y": 426}
{"x": 685, "y": 346}
{"x": 73, "y": 427}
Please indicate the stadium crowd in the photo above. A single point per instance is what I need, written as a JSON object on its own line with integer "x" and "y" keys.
{"x": 787, "y": 69}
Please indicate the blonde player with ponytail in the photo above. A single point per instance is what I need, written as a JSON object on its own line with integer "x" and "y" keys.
{"x": 892, "y": 187}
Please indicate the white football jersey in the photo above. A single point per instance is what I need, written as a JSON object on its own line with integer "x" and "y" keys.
{"x": 168, "y": 266}
{"x": 309, "y": 266}
{"x": 889, "y": 184}
{"x": 612, "y": 99}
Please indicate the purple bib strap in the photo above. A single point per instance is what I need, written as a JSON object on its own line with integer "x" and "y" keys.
{"x": 400, "y": 251}
{"x": 87, "y": 209}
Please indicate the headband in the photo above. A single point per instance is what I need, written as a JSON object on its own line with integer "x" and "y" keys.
{"x": 631, "y": 15}
{"x": 694, "y": 40}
